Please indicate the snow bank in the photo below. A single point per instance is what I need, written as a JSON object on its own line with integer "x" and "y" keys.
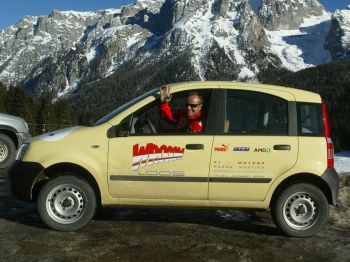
{"x": 342, "y": 162}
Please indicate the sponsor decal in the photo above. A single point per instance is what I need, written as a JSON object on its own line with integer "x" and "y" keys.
{"x": 223, "y": 148}
{"x": 222, "y": 165}
{"x": 251, "y": 165}
{"x": 153, "y": 154}
{"x": 258, "y": 163}
{"x": 162, "y": 173}
{"x": 241, "y": 149}
{"x": 262, "y": 150}
{"x": 222, "y": 168}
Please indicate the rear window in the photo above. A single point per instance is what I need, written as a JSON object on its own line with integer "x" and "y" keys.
{"x": 254, "y": 113}
{"x": 310, "y": 119}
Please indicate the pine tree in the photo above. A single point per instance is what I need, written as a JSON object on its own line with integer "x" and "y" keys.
{"x": 3, "y": 93}
{"x": 19, "y": 103}
{"x": 45, "y": 114}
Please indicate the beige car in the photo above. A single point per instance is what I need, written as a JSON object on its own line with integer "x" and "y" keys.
{"x": 262, "y": 147}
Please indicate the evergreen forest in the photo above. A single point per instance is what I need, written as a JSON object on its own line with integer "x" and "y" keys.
{"x": 93, "y": 100}
{"x": 42, "y": 114}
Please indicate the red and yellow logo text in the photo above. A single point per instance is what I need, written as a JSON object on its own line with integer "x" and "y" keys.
{"x": 153, "y": 154}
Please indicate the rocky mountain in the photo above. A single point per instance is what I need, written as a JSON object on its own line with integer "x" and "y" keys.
{"x": 68, "y": 52}
{"x": 338, "y": 38}
{"x": 290, "y": 14}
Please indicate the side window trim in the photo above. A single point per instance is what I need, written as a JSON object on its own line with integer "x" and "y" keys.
{"x": 214, "y": 112}
{"x": 291, "y": 114}
{"x": 210, "y": 119}
{"x": 320, "y": 122}
{"x": 221, "y": 111}
{"x": 293, "y": 118}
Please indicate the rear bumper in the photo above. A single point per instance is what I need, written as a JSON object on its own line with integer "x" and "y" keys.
{"x": 331, "y": 177}
{"x": 23, "y": 176}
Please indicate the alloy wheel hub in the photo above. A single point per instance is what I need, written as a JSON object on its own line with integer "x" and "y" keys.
{"x": 300, "y": 211}
{"x": 65, "y": 204}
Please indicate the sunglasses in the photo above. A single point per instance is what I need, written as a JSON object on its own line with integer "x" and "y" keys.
{"x": 192, "y": 105}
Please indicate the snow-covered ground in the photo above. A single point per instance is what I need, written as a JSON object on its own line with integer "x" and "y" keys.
{"x": 342, "y": 162}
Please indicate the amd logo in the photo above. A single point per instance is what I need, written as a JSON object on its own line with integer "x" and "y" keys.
{"x": 262, "y": 150}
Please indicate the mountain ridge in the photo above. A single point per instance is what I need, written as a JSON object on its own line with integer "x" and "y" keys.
{"x": 64, "y": 51}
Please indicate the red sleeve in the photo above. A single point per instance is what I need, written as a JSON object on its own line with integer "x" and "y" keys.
{"x": 196, "y": 126}
{"x": 165, "y": 111}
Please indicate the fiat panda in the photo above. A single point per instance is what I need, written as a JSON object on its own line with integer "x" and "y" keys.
{"x": 261, "y": 147}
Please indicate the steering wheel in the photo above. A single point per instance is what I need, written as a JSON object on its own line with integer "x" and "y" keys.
{"x": 151, "y": 126}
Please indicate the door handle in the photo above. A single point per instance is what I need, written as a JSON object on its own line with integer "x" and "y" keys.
{"x": 282, "y": 147}
{"x": 195, "y": 146}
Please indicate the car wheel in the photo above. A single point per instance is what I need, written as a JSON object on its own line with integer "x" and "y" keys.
{"x": 301, "y": 210}
{"x": 7, "y": 151}
{"x": 66, "y": 203}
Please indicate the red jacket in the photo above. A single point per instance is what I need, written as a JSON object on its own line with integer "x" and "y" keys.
{"x": 183, "y": 122}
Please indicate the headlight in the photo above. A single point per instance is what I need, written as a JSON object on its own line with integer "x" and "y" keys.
{"x": 21, "y": 151}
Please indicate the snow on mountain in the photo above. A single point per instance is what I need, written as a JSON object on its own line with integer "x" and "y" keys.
{"x": 287, "y": 14}
{"x": 343, "y": 16}
{"x": 34, "y": 39}
{"x": 302, "y": 48}
{"x": 60, "y": 51}
{"x": 152, "y": 5}
{"x": 200, "y": 29}
{"x": 338, "y": 39}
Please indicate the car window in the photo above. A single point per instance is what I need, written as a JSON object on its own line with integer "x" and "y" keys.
{"x": 249, "y": 112}
{"x": 148, "y": 119}
{"x": 310, "y": 119}
{"x": 125, "y": 106}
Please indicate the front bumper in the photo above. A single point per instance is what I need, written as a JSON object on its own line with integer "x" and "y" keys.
{"x": 331, "y": 177}
{"x": 23, "y": 176}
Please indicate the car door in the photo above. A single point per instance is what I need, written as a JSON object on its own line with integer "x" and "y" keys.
{"x": 155, "y": 161}
{"x": 257, "y": 143}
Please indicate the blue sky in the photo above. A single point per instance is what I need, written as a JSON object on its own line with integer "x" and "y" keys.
{"x": 12, "y": 11}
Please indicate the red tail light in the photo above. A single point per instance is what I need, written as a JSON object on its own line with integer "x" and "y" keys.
{"x": 330, "y": 153}
{"x": 327, "y": 134}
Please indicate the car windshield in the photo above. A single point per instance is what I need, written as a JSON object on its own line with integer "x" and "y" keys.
{"x": 125, "y": 106}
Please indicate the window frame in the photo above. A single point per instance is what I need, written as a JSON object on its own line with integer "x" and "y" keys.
{"x": 292, "y": 129}
{"x": 210, "y": 119}
{"x": 320, "y": 114}
{"x": 125, "y": 106}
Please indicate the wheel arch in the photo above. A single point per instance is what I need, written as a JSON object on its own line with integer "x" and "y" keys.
{"x": 11, "y": 134}
{"x": 303, "y": 178}
{"x": 69, "y": 169}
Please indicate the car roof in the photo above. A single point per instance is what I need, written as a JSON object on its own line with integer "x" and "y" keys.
{"x": 300, "y": 95}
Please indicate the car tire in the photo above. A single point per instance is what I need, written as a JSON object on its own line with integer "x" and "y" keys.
{"x": 66, "y": 203}
{"x": 300, "y": 210}
{"x": 7, "y": 152}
